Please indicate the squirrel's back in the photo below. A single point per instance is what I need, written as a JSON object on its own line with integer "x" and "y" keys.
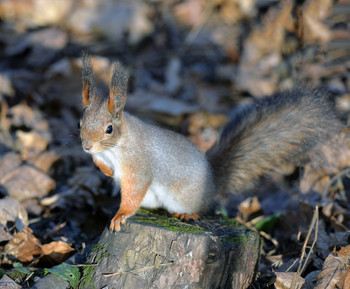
{"x": 268, "y": 133}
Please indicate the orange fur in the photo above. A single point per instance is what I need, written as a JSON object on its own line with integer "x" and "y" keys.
{"x": 110, "y": 105}
{"x": 132, "y": 196}
{"x": 86, "y": 89}
{"x": 186, "y": 217}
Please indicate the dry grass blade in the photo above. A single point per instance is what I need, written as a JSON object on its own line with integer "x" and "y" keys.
{"x": 337, "y": 177}
{"x": 314, "y": 222}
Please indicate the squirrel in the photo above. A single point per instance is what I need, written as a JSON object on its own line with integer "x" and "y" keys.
{"x": 158, "y": 168}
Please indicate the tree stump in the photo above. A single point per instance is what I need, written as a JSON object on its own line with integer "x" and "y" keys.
{"x": 155, "y": 251}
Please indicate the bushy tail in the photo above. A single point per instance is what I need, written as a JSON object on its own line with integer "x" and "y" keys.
{"x": 268, "y": 133}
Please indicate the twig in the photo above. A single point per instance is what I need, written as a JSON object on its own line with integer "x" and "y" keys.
{"x": 133, "y": 271}
{"x": 301, "y": 267}
{"x": 84, "y": 265}
{"x": 251, "y": 226}
{"x": 28, "y": 277}
{"x": 291, "y": 266}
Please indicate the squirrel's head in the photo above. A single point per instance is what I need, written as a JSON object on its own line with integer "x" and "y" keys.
{"x": 101, "y": 123}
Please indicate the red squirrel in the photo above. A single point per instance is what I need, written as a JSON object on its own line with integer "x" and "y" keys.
{"x": 158, "y": 168}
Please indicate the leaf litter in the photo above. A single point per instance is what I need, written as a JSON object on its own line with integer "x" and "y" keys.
{"x": 192, "y": 63}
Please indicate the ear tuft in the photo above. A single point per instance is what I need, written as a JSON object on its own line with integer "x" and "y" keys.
{"x": 118, "y": 89}
{"x": 88, "y": 78}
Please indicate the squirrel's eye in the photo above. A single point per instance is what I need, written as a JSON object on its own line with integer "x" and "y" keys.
{"x": 79, "y": 126}
{"x": 109, "y": 129}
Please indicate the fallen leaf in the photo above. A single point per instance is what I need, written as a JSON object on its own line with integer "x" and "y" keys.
{"x": 31, "y": 144}
{"x": 249, "y": 207}
{"x": 23, "y": 115}
{"x": 56, "y": 252}
{"x": 335, "y": 271}
{"x": 191, "y": 12}
{"x": 27, "y": 182}
{"x": 45, "y": 160}
{"x": 284, "y": 280}
{"x": 9, "y": 162}
{"x": 311, "y": 21}
{"x": 25, "y": 247}
{"x": 31, "y": 14}
{"x": 4, "y": 235}
{"x": 43, "y": 45}
{"x": 12, "y": 211}
{"x": 66, "y": 272}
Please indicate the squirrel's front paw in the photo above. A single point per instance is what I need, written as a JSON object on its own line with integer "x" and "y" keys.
{"x": 119, "y": 217}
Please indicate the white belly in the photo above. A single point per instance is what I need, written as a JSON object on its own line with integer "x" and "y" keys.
{"x": 158, "y": 197}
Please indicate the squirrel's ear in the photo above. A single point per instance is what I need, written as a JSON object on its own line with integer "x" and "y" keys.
{"x": 88, "y": 78}
{"x": 117, "y": 90}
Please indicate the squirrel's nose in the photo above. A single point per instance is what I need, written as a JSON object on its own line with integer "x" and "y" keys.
{"x": 87, "y": 146}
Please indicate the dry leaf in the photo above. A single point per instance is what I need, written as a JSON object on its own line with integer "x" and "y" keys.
{"x": 313, "y": 13}
{"x": 31, "y": 14}
{"x": 25, "y": 247}
{"x": 27, "y": 182}
{"x": 335, "y": 271}
{"x": 190, "y": 12}
{"x": 9, "y": 162}
{"x": 12, "y": 211}
{"x": 30, "y": 144}
{"x": 249, "y": 207}
{"x": 23, "y": 115}
{"x": 4, "y": 235}
{"x": 284, "y": 280}
{"x": 45, "y": 160}
{"x": 56, "y": 252}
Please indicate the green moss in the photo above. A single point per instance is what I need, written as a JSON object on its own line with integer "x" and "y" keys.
{"x": 16, "y": 275}
{"x": 87, "y": 280}
{"x": 158, "y": 218}
{"x": 231, "y": 223}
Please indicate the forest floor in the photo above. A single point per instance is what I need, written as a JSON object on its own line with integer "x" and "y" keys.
{"x": 191, "y": 64}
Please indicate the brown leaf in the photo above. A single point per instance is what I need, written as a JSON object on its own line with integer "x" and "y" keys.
{"x": 284, "y": 280}
{"x": 203, "y": 129}
{"x": 313, "y": 13}
{"x": 12, "y": 211}
{"x": 336, "y": 270}
{"x": 45, "y": 160}
{"x": 27, "y": 182}
{"x": 190, "y": 12}
{"x": 9, "y": 162}
{"x": 24, "y": 246}
{"x": 249, "y": 207}
{"x": 56, "y": 252}
{"x": 23, "y": 115}
{"x": 31, "y": 144}
{"x": 4, "y": 235}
